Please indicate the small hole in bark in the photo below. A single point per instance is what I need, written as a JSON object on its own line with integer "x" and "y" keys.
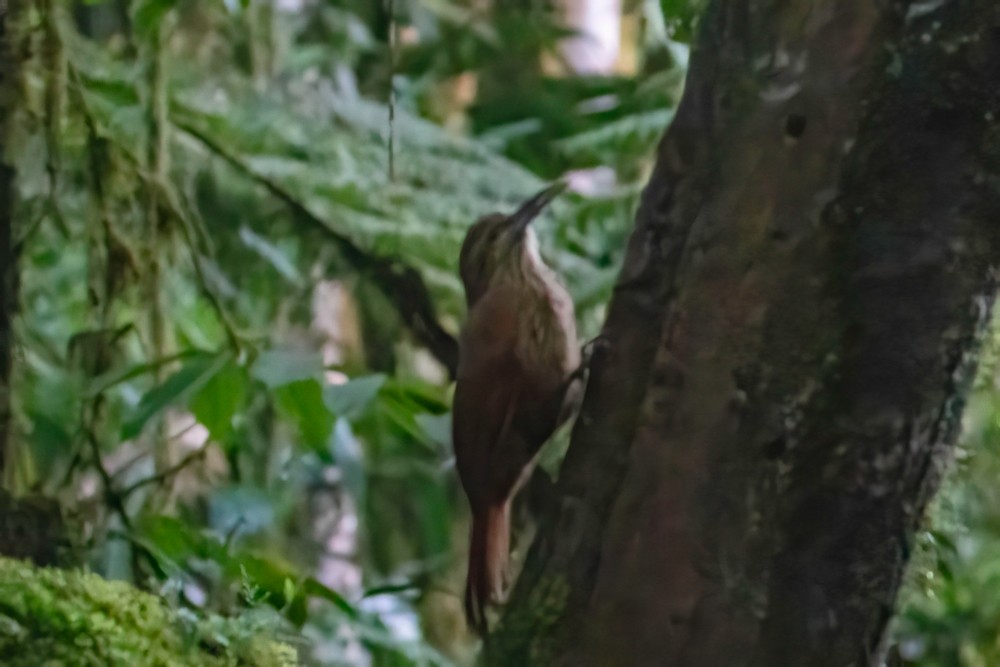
{"x": 779, "y": 235}
{"x": 775, "y": 448}
{"x": 668, "y": 376}
{"x": 795, "y": 125}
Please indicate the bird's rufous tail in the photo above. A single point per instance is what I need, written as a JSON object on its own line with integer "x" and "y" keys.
{"x": 488, "y": 558}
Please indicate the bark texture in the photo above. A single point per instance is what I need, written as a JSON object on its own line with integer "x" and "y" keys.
{"x": 791, "y": 340}
{"x": 10, "y": 11}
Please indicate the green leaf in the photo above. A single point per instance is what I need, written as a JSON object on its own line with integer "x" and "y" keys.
{"x": 149, "y": 14}
{"x": 681, "y": 16}
{"x": 943, "y": 540}
{"x": 113, "y": 92}
{"x": 302, "y": 403}
{"x": 173, "y": 540}
{"x": 314, "y": 588}
{"x": 392, "y": 420}
{"x": 437, "y": 533}
{"x": 247, "y": 508}
{"x": 191, "y": 377}
{"x": 437, "y": 428}
{"x": 349, "y": 400}
{"x": 944, "y": 569}
{"x": 176, "y": 541}
{"x": 270, "y": 252}
{"x": 51, "y": 444}
{"x": 277, "y": 368}
{"x": 290, "y": 591}
{"x": 349, "y": 457}
{"x": 215, "y": 404}
{"x": 108, "y": 380}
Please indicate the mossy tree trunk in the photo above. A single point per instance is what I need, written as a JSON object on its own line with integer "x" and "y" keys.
{"x": 791, "y": 340}
{"x": 10, "y": 13}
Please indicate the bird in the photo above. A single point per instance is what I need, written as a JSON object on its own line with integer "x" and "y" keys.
{"x": 517, "y": 382}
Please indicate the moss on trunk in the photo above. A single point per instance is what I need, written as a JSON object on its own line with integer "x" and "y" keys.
{"x": 73, "y": 619}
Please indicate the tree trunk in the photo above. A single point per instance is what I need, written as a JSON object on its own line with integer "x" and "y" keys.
{"x": 10, "y": 84}
{"x": 790, "y": 343}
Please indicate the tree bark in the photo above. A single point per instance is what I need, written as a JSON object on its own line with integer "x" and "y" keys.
{"x": 790, "y": 343}
{"x": 10, "y": 85}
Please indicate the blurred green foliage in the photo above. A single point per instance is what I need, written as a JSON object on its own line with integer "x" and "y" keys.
{"x": 213, "y": 371}
{"x": 949, "y": 612}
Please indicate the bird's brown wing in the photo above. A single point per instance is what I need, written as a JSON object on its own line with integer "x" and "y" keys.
{"x": 490, "y": 386}
{"x": 488, "y": 393}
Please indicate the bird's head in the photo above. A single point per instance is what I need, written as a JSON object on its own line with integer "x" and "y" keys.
{"x": 496, "y": 243}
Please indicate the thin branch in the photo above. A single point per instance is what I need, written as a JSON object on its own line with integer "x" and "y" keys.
{"x": 161, "y": 477}
{"x": 157, "y": 167}
{"x": 29, "y": 231}
{"x": 184, "y": 431}
{"x": 391, "y": 7}
{"x": 125, "y": 467}
{"x": 55, "y": 84}
{"x": 230, "y": 537}
{"x": 138, "y": 546}
{"x": 180, "y": 211}
{"x": 236, "y": 342}
{"x": 401, "y": 284}
{"x": 115, "y": 500}
{"x": 11, "y": 15}
{"x": 128, "y": 465}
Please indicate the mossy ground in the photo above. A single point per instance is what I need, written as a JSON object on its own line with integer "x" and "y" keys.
{"x": 52, "y": 617}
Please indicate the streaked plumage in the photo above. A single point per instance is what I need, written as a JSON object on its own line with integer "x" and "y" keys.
{"x": 518, "y": 353}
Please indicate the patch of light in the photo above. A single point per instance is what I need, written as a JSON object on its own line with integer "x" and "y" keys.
{"x": 397, "y": 616}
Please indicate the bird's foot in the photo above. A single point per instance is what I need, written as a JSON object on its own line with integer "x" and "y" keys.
{"x": 593, "y": 347}
{"x": 588, "y": 351}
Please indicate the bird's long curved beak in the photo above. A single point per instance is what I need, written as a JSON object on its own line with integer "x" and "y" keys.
{"x": 530, "y": 209}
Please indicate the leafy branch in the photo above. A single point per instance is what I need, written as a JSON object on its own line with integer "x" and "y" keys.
{"x": 400, "y": 283}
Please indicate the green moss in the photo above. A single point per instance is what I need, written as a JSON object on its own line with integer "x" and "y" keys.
{"x": 527, "y": 638}
{"x": 52, "y": 617}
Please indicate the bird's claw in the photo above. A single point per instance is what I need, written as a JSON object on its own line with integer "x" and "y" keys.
{"x": 587, "y": 353}
{"x": 592, "y": 347}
